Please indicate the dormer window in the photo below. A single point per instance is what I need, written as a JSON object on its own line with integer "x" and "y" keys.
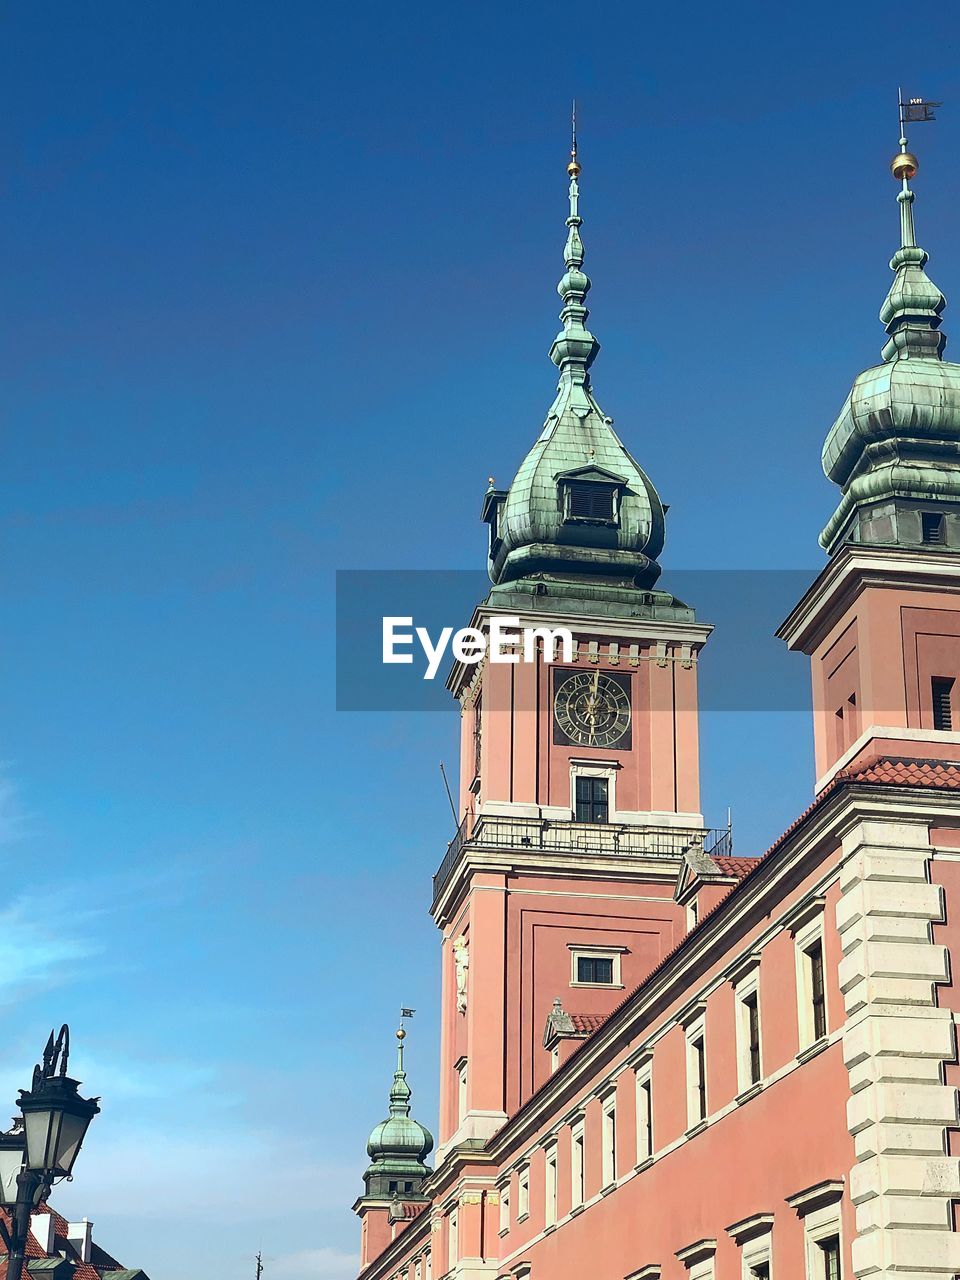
{"x": 590, "y": 495}
{"x": 587, "y": 500}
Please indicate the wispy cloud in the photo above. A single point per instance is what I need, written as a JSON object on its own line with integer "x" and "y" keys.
{"x": 158, "y": 1195}
{"x": 31, "y": 951}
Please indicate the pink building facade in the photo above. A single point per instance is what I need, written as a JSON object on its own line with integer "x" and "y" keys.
{"x": 659, "y": 1061}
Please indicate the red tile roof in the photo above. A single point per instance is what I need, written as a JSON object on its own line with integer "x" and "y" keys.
{"x": 586, "y": 1021}
{"x": 734, "y": 866}
{"x": 61, "y": 1246}
{"x": 412, "y": 1209}
{"x": 897, "y": 771}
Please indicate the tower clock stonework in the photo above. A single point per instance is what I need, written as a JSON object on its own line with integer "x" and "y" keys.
{"x": 579, "y": 778}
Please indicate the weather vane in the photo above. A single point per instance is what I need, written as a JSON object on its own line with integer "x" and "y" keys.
{"x": 912, "y": 111}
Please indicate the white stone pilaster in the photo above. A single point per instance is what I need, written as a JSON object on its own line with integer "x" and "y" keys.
{"x": 895, "y": 1043}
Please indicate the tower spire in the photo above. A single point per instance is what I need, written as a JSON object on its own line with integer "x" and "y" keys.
{"x": 574, "y": 348}
{"x": 913, "y": 307}
{"x": 398, "y": 1145}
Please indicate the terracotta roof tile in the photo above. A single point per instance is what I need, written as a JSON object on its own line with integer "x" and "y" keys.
{"x": 738, "y": 867}
{"x": 899, "y": 771}
{"x": 63, "y": 1247}
{"x": 587, "y": 1021}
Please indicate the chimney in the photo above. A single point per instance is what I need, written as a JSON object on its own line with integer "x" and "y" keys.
{"x": 42, "y": 1230}
{"x": 80, "y": 1235}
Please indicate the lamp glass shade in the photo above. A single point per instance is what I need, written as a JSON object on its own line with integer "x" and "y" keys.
{"x": 54, "y": 1133}
{"x": 11, "y": 1163}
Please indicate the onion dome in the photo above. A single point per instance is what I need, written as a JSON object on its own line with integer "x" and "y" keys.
{"x": 398, "y": 1145}
{"x": 580, "y": 509}
{"x": 895, "y": 448}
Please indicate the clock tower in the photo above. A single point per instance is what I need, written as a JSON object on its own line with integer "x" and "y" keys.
{"x": 579, "y": 774}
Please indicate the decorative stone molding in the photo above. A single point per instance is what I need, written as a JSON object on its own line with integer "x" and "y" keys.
{"x": 650, "y": 1272}
{"x": 816, "y": 1197}
{"x": 757, "y": 1224}
{"x": 895, "y": 1042}
{"x": 696, "y": 1252}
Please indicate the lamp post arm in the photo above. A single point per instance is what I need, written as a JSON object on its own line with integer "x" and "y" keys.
{"x": 28, "y": 1184}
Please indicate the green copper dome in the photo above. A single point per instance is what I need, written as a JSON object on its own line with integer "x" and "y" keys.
{"x": 895, "y": 448}
{"x": 398, "y": 1145}
{"x": 580, "y": 509}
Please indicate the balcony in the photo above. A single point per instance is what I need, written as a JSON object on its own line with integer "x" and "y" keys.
{"x": 603, "y": 839}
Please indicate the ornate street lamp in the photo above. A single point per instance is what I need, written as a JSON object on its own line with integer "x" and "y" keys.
{"x": 43, "y": 1145}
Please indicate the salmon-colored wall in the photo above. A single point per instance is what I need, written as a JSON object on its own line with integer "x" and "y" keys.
{"x": 742, "y": 1165}
{"x": 521, "y": 764}
{"x": 519, "y": 929}
{"x": 876, "y": 663}
{"x": 747, "y": 1162}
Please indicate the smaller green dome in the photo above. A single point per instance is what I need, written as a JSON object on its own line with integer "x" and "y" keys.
{"x": 399, "y": 1145}
{"x": 400, "y": 1136}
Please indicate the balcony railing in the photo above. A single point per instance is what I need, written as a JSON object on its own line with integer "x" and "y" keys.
{"x": 598, "y": 838}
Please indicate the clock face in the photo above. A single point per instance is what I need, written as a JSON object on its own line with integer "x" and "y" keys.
{"x": 592, "y": 709}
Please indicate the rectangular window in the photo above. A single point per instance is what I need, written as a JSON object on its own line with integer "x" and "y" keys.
{"x": 551, "y": 1188}
{"x": 476, "y": 735}
{"x": 942, "y": 690}
{"x": 590, "y": 500}
{"x": 933, "y": 527}
{"x": 523, "y": 1194}
{"x": 761, "y": 1271}
{"x": 644, "y": 1116}
{"x": 609, "y": 1144}
{"x": 818, "y": 1003}
{"x": 505, "y": 1208}
{"x": 752, "y": 1012}
{"x": 592, "y": 799}
{"x": 461, "y": 1090}
{"x": 453, "y": 1240}
{"x": 696, "y": 1076}
{"x": 830, "y": 1249}
{"x": 598, "y": 969}
{"x": 576, "y": 1167}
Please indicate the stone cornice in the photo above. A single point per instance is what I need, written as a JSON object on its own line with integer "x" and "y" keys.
{"x": 640, "y": 630}
{"x": 853, "y": 568}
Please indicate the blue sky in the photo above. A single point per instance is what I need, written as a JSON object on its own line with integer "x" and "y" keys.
{"x": 278, "y": 292}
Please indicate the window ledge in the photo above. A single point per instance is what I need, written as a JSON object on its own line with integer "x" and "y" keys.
{"x": 811, "y": 1050}
{"x": 522, "y": 1218}
{"x": 602, "y": 986}
{"x": 548, "y": 1230}
{"x": 645, "y": 1163}
{"x": 751, "y": 1091}
{"x": 474, "y": 787}
{"x": 611, "y": 1186}
{"x": 577, "y": 1209}
{"x": 695, "y": 1129}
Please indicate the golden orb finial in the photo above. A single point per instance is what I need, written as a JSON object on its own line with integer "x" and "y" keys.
{"x": 573, "y": 168}
{"x": 401, "y": 1034}
{"x": 904, "y": 165}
